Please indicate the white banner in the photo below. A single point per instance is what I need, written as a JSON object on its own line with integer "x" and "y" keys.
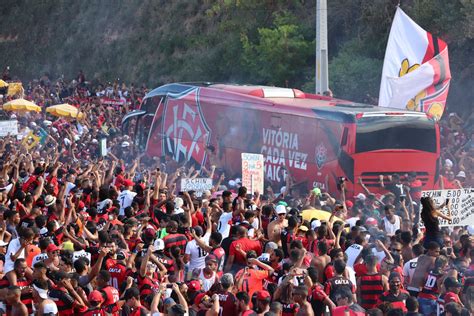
{"x": 462, "y": 205}
{"x": 8, "y": 127}
{"x": 252, "y": 172}
{"x": 198, "y": 184}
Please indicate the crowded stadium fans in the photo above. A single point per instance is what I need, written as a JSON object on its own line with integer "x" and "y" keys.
{"x": 94, "y": 232}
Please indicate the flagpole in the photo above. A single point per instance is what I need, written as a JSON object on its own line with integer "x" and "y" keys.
{"x": 321, "y": 78}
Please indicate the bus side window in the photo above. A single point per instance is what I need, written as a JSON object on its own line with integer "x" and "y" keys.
{"x": 344, "y": 137}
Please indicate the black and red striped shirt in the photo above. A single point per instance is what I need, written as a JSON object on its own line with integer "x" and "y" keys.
{"x": 172, "y": 240}
{"x": 371, "y": 287}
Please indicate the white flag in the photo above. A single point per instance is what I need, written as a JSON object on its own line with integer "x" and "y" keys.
{"x": 415, "y": 73}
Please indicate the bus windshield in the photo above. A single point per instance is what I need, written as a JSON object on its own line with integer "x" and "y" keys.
{"x": 395, "y": 132}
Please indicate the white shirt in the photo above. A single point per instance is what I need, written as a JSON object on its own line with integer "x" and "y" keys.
{"x": 104, "y": 203}
{"x": 352, "y": 253}
{"x": 352, "y": 221}
{"x": 80, "y": 254}
{"x": 69, "y": 187}
{"x": 197, "y": 255}
{"x": 125, "y": 199}
{"x": 409, "y": 269}
{"x": 39, "y": 258}
{"x": 390, "y": 228}
{"x": 224, "y": 226}
{"x": 13, "y": 247}
{"x": 207, "y": 283}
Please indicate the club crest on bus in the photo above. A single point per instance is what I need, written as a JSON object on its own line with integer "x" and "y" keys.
{"x": 321, "y": 155}
{"x": 185, "y": 130}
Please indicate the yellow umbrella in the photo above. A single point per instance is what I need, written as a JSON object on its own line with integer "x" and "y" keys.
{"x": 311, "y": 213}
{"x": 3, "y": 84}
{"x": 64, "y": 110}
{"x": 21, "y": 105}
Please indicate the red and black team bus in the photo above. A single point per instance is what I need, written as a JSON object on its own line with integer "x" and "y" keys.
{"x": 318, "y": 139}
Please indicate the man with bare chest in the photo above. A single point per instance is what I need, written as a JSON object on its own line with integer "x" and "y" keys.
{"x": 424, "y": 265}
{"x": 300, "y": 294}
{"x": 13, "y": 300}
{"x": 275, "y": 228}
{"x": 321, "y": 260}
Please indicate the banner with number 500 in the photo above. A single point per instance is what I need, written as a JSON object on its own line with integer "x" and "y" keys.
{"x": 462, "y": 205}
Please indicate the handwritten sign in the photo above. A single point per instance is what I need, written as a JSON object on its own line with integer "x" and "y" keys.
{"x": 462, "y": 205}
{"x": 199, "y": 185}
{"x": 252, "y": 172}
{"x": 8, "y": 127}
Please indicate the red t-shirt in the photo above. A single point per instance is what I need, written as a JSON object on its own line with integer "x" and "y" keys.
{"x": 246, "y": 245}
{"x": 361, "y": 269}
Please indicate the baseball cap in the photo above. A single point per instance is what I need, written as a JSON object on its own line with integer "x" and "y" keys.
{"x": 52, "y": 247}
{"x": 159, "y": 244}
{"x": 317, "y": 191}
{"x": 461, "y": 174}
{"x": 349, "y": 204}
{"x": 360, "y": 196}
{"x": 195, "y": 286}
{"x": 125, "y": 144}
{"x": 263, "y": 295}
{"x": 451, "y": 282}
{"x": 280, "y": 209}
{"x": 371, "y": 221}
{"x": 303, "y": 228}
{"x": 150, "y": 232}
{"x": 96, "y": 296}
{"x": 448, "y": 163}
{"x": 41, "y": 292}
{"x": 127, "y": 182}
{"x": 315, "y": 224}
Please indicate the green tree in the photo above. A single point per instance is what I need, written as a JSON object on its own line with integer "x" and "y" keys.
{"x": 279, "y": 54}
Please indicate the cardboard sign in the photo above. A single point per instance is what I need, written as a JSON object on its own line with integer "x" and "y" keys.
{"x": 30, "y": 140}
{"x": 198, "y": 184}
{"x": 103, "y": 147}
{"x": 462, "y": 205}
{"x": 252, "y": 172}
{"x": 8, "y": 127}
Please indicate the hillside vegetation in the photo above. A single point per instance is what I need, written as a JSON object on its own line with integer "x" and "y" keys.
{"x": 245, "y": 41}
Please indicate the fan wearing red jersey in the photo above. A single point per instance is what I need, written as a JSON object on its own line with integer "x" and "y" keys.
{"x": 148, "y": 279}
{"x": 396, "y": 296}
{"x": 110, "y": 293}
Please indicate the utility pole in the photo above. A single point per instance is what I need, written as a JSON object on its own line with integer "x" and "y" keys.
{"x": 322, "y": 81}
